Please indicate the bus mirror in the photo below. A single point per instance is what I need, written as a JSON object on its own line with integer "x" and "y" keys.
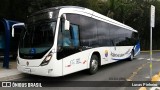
{"x": 12, "y": 31}
{"x": 14, "y": 25}
{"x": 66, "y": 25}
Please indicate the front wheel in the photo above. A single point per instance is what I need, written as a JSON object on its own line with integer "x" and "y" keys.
{"x": 93, "y": 64}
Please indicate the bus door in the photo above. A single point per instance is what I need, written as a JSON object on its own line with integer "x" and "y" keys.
{"x": 69, "y": 50}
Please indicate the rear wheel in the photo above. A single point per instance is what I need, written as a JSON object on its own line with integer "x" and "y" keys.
{"x": 93, "y": 64}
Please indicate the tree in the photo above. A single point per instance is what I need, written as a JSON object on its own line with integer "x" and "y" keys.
{"x": 135, "y": 13}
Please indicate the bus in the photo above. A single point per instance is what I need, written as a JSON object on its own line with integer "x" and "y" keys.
{"x": 66, "y": 39}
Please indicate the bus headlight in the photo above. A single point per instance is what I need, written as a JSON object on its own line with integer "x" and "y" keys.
{"x": 46, "y": 60}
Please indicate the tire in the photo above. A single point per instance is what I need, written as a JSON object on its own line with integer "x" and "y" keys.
{"x": 132, "y": 56}
{"x": 93, "y": 65}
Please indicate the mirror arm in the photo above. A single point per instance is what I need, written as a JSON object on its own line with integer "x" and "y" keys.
{"x": 14, "y": 25}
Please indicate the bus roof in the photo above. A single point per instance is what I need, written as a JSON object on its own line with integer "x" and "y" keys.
{"x": 91, "y": 12}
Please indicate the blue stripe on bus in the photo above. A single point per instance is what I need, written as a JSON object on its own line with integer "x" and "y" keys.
{"x": 137, "y": 48}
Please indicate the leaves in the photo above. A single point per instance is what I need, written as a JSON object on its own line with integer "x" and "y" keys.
{"x": 135, "y": 13}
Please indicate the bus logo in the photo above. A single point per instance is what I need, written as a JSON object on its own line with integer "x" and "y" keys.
{"x": 27, "y": 63}
{"x": 106, "y": 53}
{"x": 32, "y": 51}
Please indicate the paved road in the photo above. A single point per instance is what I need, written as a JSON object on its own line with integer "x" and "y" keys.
{"x": 136, "y": 70}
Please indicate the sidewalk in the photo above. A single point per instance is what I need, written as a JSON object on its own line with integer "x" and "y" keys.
{"x": 11, "y": 73}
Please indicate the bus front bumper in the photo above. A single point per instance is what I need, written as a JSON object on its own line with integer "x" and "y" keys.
{"x": 41, "y": 70}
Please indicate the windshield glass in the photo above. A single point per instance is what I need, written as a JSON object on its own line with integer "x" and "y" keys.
{"x": 37, "y": 39}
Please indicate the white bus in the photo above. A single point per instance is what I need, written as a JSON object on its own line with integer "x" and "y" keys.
{"x": 66, "y": 39}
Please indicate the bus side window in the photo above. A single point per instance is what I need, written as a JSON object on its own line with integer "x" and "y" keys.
{"x": 66, "y": 38}
{"x": 75, "y": 35}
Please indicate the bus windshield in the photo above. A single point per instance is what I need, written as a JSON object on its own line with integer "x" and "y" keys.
{"x": 37, "y": 39}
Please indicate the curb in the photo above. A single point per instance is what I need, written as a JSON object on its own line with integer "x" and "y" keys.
{"x": 9, "y": 78}
{"x": 154, "y": 79}
{"x": 152, "y": 50}
{"x": 143, "y": 88}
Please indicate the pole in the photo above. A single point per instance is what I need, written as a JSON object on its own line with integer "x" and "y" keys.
{"x": 152, "y": 24}
{"x": 150, "y": 52}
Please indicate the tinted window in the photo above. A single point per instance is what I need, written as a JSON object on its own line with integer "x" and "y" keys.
{"x": 128, "y": 38}
{"x": 121, "y": 37}
{"x": 73, "y": 18}
{"x": 88, "y": 33}
{"x": 114, "y": 34}
{"x": 75, "y": 34}
{"x": 103, "y": 34}
{"x": 135, "y": 37}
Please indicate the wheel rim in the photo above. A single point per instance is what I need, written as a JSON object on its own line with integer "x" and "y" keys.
{"x": 94, "y": 65}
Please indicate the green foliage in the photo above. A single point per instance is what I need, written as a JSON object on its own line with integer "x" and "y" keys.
{"x": 135, "y": 13}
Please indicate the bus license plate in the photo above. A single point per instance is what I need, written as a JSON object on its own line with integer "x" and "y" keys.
{"x": 27, "y": 70}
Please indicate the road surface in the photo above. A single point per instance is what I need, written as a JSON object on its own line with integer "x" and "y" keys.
{"x": 136, "y": 70}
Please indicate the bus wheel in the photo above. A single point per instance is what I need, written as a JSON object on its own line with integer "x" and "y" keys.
{"x": 132, "y": 56}
{"x": 93, "y": 64}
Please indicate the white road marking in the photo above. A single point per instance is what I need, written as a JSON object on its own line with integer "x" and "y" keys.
{"x": 140, "y": 58}
{"x": 147, "y": 77}
{"x": 153, "y": 59}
